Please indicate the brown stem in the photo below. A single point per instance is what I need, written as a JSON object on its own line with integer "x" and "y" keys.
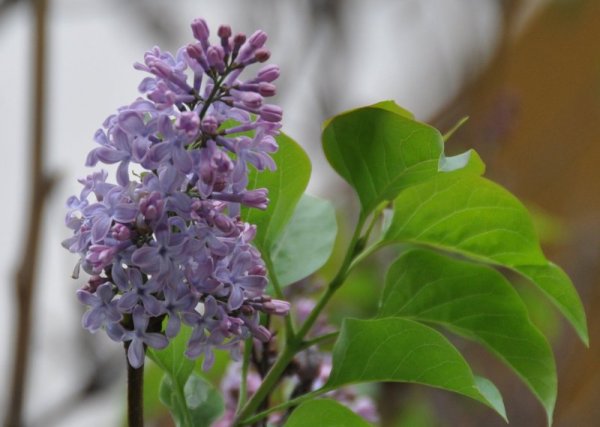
{"x": 40, "y": 186}
{"x": 135, "y": 394}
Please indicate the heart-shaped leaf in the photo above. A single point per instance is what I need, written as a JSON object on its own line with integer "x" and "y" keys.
{"x": 286, "y": 185}
{"x": 306, "y": 242}
{"x": 379, "y": 151}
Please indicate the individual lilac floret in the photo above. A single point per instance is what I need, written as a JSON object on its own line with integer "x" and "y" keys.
{"x": 163, "y": 241}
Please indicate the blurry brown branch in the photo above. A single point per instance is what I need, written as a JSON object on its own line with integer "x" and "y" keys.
{"x": 40, "y": 187}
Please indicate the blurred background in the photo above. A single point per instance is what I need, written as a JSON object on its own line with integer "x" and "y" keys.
{"x": 527, "y": 73}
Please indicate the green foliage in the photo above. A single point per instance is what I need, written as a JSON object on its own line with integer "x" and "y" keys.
{"x": 458, "y": 231}
{"x": 324, "y": 413}
{"x": 476, "y": 302}
{"x": 395, "y": 349}
{"x": 192, "y": 400}
{"x": 286, "y": 186}
{"x": 306, "y": 242}
{"x": 380, "y": 152}
{"x": 199, "y": 404}
{"x": 469, "y": 215}
{"x": 442, "y": 203}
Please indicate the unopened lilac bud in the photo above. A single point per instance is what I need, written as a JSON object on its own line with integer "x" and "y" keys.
{"x": 271, "y": 113}
{"x": 151, "y": 207}
{"x": 262, "y": 333}
{"x": 224, "y": 33}
{"x": 256, "y": 198}
{"x": 215, "y": 56}
{"x": 257, "y": 270}
{"x": 120, "y": 232}
{"x": 266, "y": 89}
{"x": 277, "y": 307}
{"x": 188, "y": 122}
{"x": 100, "y": 256}
{"x": 194, "y": 50}
{"x": 161, "y": 69}
{"x": 268, "y": 73}
{"x": 262, "y": 55}
{"x": 94, "y": 282}
{"x": 251, "y": 100}
{"x": 224, "y": 223}
{"x": 258, "y": 39}
{"x": 210, "y": 125}
{"x": 238, "y": 40}
{"x": 200, "y": 29}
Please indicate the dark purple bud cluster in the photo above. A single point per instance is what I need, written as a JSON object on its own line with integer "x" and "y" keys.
{"x": 166, "y": 244}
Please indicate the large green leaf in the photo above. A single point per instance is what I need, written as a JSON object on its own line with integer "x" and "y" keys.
{"x": 202, "y": 403}
{"x": 555, "y": 283}
{"x": 306, "y": 242}
{"x": 395, "y": 349}
{"x": 286, "y": 185}
{"x": 476, "y": 302}
{"x": 324, "y": 413}
{"x": 379, "y": 151}
{"x": 469, "y": 215}
{"x": 466, "y": 214}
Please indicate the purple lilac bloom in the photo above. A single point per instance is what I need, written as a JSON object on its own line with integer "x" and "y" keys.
{"x": 163, "y": 241}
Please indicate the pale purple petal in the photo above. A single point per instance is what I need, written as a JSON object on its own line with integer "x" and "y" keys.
{"x": 135, "y": 353}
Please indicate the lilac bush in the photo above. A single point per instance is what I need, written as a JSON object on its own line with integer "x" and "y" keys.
{"x": 165, "y": 241}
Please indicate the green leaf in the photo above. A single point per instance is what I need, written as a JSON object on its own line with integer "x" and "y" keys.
{"x": 476, "y": 302}
{"x": 391, "y": 106}
{"x": 395, "y": 349}
{"x": 202, "y": 403}
{"x": 306, "y": 242}
{"x": 172, "y": 359}
{"x": 388, "y": 105}
{"x": 557, "y": 286}
{"x": 469, "y": 215}
{"x": 489, "y": 390}
{"x": 286, "y": 185}
{"x": 324, "y": 413}
{"x": 380, "y": 152}
{"x": 474, "y": 217}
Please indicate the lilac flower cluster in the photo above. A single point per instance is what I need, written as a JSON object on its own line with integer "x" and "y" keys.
{"x": 165, "y": 244}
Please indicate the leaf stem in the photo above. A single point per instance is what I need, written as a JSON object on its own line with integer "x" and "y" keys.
{"x": 244, "y": 379}
{"x": 289, "y": 326}
{"x": 289, "y": 404}
{"x": 319, "y": 339}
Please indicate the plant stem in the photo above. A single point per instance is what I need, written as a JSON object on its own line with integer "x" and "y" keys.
{"x": 135, "y": 394}
{"x": 293, "y": 346}
{"x": 39, "y": 188}
{"x": 289, "y": 404}
{"x": 244, "y": 380}
{"x": 289, "y": 326}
